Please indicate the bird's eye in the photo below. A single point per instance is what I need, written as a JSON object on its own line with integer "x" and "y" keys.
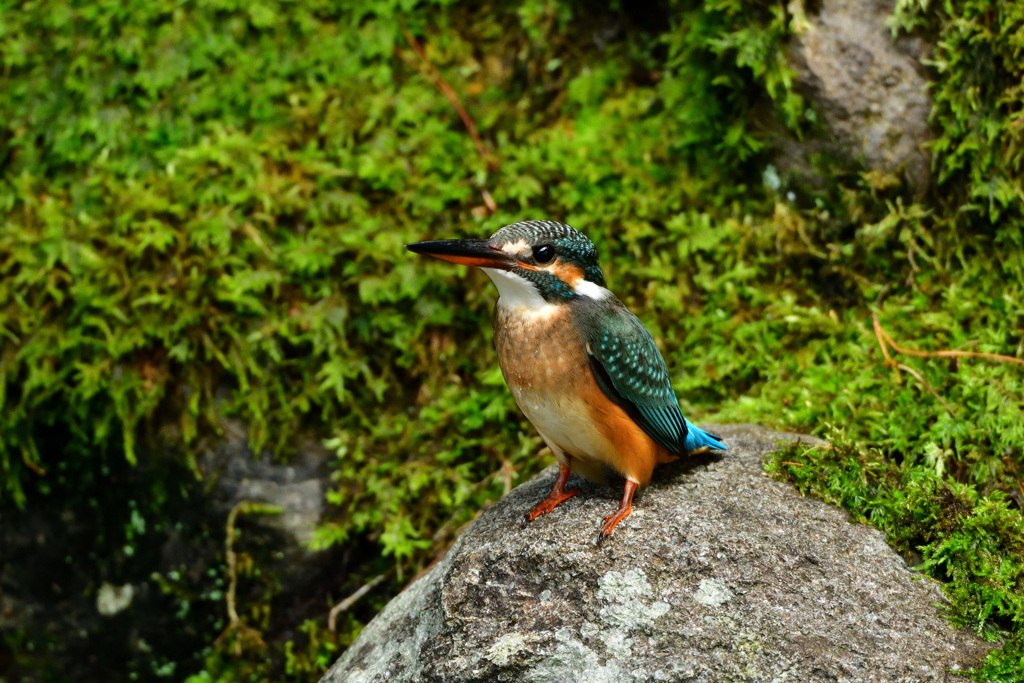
{"x": 545, "y": 253}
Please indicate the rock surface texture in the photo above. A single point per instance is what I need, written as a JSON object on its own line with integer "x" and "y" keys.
{"x": 297, "y": 487}
{"x": 870, "y": 89}
{"x": 720, "y": 574}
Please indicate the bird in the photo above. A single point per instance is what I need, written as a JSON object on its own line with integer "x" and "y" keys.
{"x": 582, "y": 368}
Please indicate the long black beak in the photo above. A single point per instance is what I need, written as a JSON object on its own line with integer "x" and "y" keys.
{"x": 480, "y": 253}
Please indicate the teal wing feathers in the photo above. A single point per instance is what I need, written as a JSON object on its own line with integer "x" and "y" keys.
{"x": 630, "y": 370}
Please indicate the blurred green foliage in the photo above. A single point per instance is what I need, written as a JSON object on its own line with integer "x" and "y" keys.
{"x": 204, "y": 206}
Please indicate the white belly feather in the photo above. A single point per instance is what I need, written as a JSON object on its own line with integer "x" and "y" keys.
{"x": 565, "y": 423}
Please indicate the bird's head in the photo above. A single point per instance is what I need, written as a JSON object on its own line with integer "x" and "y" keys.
{"x": 533, "y": 263}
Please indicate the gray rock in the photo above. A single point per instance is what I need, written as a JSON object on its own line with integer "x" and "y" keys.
{"x": 719, "y": 574}
{"x": 869, "y": 88}
{"x": 297, "y": 487}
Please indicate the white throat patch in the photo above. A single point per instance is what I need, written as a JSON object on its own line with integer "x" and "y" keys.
{"x": 518, "y": 292}
{"x": 589, "y": 289}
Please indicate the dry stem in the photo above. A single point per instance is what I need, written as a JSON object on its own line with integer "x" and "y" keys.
{"x": 431, "y": 72}
{"x": 1013, "y": 468}
{"x": 347, "y": 603}
{"x": 235, "y": 623}
{"x": 883, "y": 335}
{"x": 885, "y": 342}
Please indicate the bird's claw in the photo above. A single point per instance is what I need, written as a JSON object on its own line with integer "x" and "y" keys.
{"x": 547, "y": 505}
{"x": 609, "y": 523}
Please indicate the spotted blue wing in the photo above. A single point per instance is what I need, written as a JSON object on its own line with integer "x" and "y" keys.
{"x": 630, "y": 370}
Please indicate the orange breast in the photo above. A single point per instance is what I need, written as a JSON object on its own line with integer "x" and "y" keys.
{"x": 546, "y": 366}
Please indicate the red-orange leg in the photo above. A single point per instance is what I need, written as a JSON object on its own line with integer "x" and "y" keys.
{"x": 625, "y": 507}
{"x": 558, "y": 495}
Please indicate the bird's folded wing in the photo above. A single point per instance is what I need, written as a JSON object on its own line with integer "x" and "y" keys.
{"x": 630, "y": 370}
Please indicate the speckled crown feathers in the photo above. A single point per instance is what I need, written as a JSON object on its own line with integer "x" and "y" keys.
{"x": 573, "y": 246}
{"x": 534, "y": 232}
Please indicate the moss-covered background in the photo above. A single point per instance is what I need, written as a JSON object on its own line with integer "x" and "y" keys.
{"x": 203, "y": 209}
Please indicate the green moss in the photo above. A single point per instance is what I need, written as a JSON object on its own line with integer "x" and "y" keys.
{"x": 204, "y": 211}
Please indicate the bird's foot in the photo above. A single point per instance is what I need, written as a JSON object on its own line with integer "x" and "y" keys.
{"x": 610, "y": 522}
{"x": 625, "y": 507}
{"x": 554, "y": 499}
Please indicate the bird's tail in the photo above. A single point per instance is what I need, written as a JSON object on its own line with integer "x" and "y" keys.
{"x": 698, "y": 438}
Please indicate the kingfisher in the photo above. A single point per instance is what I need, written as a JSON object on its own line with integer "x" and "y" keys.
{"x": 583, "y": 369}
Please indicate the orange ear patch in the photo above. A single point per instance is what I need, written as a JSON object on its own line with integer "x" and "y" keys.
{"x": 566, "y": 272}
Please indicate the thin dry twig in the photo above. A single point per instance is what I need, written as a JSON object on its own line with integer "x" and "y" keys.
{"x": 920, "y": 378}
{"x": 33, "y": 465}
{"x": 1013, "y": 468}
{"x": 430, "y": 71}
{"x": 885, "y": 342}
{"x": 883, "y": 335}
{"x": 235, "y": 623}
{"x": 347, "y": 603}
{"x": 506, "y": 476}
{"x": 489, "y": 201}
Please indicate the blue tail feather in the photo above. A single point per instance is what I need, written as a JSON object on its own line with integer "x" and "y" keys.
{"x": 698, "y": 438}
